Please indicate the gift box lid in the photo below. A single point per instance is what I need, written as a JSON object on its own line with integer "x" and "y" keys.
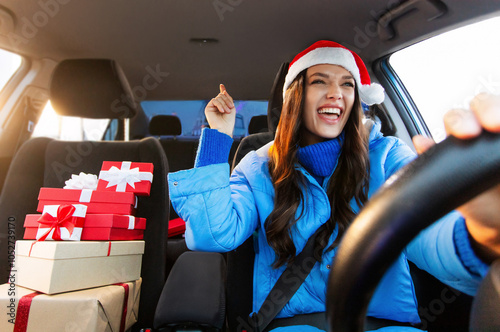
{"x": 98, "y": 221}
{"x": 86, "y": 195}
{"x": 78, "y": 249}
{"x": 126, "y": 176}
{"x": 143, "y": 167}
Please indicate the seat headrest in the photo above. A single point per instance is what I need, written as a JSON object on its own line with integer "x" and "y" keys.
{"x": 91, "y": 88}
{"x": 258, "y": 124}
{"x": 165, "y": 125}
{"x": 276, "y": 99}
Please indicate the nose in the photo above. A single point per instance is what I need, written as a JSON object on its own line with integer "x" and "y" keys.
{"x": 334, "y": 92}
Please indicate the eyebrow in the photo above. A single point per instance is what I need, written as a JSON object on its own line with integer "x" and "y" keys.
{"x": 345, "y": 77}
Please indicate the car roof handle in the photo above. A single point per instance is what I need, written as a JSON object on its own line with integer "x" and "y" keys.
{"x": 431, "y": 9}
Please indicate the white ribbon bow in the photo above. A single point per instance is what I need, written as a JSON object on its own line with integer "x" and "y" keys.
{"x": 121, "y": 177}
{"x": 81, "y": 181}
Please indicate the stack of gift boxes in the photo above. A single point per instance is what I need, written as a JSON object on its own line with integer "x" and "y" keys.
{"x": 82, "y": 254}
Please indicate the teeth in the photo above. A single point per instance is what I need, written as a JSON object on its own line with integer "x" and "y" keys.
{"x": 329, "y": 111}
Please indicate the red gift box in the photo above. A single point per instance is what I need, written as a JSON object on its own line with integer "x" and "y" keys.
{"x": 176, "y": 226}
{"x": 96, "y": 201}
{"x": 60, "y": 222}
{"x": 126, "y": 176}
{"x": 98, "y": 227}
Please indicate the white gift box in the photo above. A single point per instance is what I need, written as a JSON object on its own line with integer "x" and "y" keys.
{"x": 60, "y": 266}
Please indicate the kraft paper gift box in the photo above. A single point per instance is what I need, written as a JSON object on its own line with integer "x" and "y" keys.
{"x": 97, "y": 227}
{"x": 126, "y": 176}
{"x": 111, "y": 308}
{"x": 96, "y": 201}
{"x": 60, "y": 266}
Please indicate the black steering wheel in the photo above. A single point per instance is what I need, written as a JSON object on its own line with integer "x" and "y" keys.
{"x": 438, "y": 181}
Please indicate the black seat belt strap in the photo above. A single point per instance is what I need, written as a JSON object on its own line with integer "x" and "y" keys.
{"x": 287, "y": 285}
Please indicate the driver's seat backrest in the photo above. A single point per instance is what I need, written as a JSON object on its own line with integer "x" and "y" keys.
{"x": 255, "y": 141}
{"x": 240, "y": 261}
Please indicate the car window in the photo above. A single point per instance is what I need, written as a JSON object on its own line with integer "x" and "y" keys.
{"x": 10, "y": 63}
{"x": 192, "y": 116}
{"x": 446, "y": 71}
{"x": 69, "y": 128}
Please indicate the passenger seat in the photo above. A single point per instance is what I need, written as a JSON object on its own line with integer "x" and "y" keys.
{"x": 89, "y": 88}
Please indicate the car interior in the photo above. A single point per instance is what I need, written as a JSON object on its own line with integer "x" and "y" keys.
{"x": 112, "y": 60}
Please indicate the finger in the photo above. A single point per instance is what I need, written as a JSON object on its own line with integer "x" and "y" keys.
{"x": 461, "y": 123}
{"x": 220, "y": 106}
{"x": 422, "y": 143}
{"x": 486, "y": 107}
{"x": 226, "y": 100}
{"x": 224, "y": 92}
{"x": 229, "y": 98}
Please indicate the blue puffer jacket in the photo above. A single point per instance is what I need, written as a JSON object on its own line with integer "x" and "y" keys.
{"x": 223, "y": 211}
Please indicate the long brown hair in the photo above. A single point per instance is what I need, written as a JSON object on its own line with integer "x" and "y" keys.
{"x": 350, "y": 179}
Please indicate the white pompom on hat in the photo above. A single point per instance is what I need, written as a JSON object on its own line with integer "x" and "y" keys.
{"x": 329, "y": 52}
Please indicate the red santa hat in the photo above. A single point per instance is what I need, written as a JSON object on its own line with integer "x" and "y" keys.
{"x": 329, "y": 52}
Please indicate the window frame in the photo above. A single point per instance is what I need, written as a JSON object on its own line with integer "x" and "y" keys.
{"x": 400, "y": 97}
{"x": 8, "y": 89}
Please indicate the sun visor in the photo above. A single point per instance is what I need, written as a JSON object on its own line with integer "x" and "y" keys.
{"x": 91, "y": 88}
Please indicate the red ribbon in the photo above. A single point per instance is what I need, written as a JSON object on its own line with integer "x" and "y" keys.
{"x": 23, "y": 312}
{"x": 125, "y": 305}
{"x": 64, "y": 218}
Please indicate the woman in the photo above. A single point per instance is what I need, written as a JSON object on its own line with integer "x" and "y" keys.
{"x": 322, "y": 167}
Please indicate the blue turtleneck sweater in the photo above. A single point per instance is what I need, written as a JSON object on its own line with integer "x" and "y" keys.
{"x": 320, "y": 159}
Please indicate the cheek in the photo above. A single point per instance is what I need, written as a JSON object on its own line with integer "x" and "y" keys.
{"x": 350, "y": 101}
{"x": 307, "y": 118}
{"x": 309, "y": 109}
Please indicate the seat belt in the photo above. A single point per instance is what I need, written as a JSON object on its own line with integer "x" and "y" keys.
{"x": 287, "y": 285}
{"x": 29, "y": 120}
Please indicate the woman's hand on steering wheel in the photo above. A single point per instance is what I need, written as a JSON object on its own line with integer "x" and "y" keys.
{"x": 481, "y": 213}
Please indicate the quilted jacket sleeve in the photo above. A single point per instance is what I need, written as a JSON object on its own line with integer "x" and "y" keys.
{"x": 220, "y": 213}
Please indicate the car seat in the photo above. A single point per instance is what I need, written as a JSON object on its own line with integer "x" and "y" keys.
{"x": 91, "y": 88}
{"x": 258, "y": 124}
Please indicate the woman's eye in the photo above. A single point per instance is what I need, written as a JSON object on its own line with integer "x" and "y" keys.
{"x": 349, "y": 84}
{"x": 318, "y": 81}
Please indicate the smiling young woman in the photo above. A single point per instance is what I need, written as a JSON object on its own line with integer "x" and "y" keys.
{"x": 322, "y": 167}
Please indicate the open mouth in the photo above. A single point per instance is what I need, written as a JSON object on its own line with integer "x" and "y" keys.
{"x": 333, "y": 112}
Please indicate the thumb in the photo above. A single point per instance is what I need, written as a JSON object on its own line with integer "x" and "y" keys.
{"x": 422, "y": 143}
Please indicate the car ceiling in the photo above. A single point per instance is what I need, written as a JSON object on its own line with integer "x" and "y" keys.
{"x": 254, "y": 36}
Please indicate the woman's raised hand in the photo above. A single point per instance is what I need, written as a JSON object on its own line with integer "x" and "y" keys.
{"x": 482, "y": 214}
{"x": 220, "y": 112}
